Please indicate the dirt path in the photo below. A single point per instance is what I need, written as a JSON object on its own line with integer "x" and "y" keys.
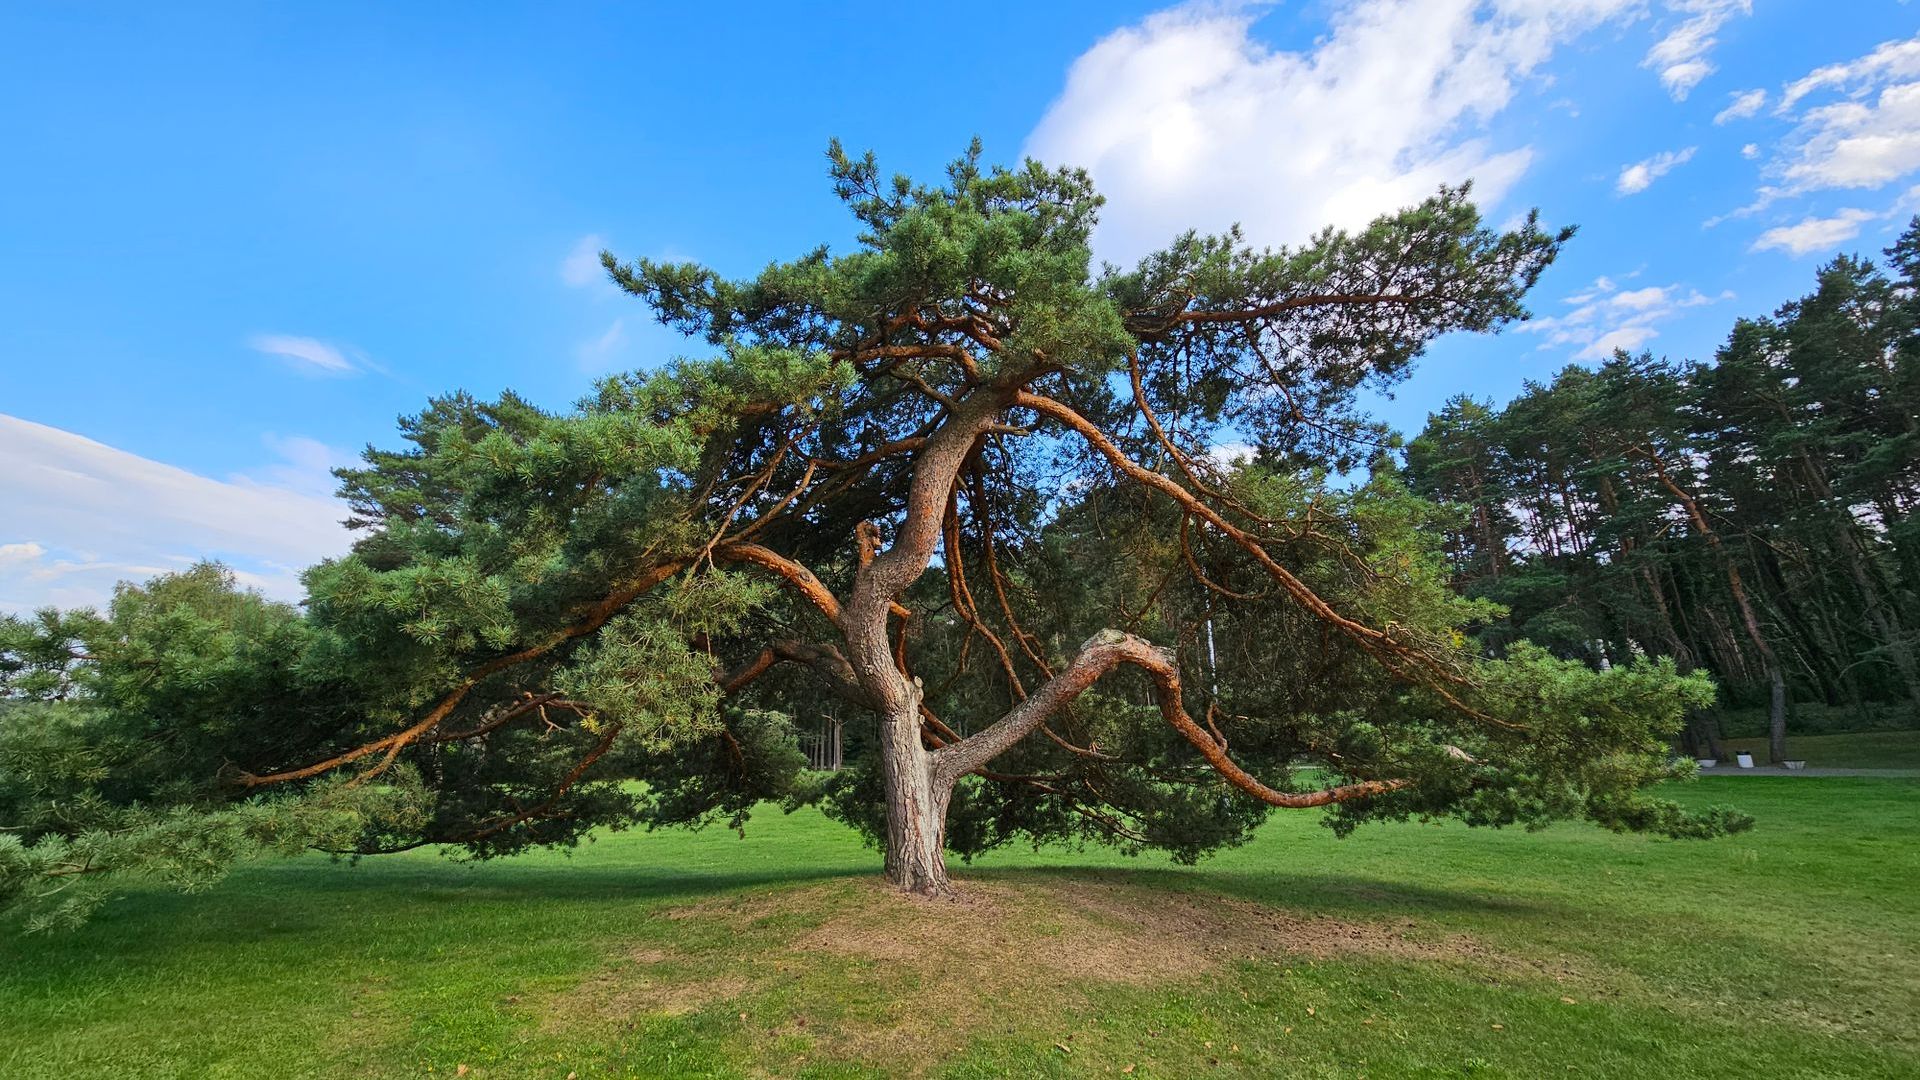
{"x": 1771, "y": 770}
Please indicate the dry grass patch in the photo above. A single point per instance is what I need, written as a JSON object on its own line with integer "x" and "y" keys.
{"x": 1006, "y": 935}
{"x": 853, "y": 969}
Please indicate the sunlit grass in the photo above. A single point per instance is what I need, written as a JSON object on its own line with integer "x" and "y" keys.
{"x": 1793, "y": 950}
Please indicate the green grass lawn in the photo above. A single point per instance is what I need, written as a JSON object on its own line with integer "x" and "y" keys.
{"x": 1857, "y": 750}
{"x": 1405, "y": 951}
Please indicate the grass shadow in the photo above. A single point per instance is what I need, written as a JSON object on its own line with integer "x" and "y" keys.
{"x": 315, "y": 905}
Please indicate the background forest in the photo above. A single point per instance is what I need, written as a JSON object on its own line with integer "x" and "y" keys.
{"x": 1751, "y": 517}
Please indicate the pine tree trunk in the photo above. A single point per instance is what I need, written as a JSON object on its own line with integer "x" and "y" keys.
{"x": 916, "y": 809}
{"x": 1703, "y": 738}
{"x": 916, "y": 792}
{"x": 1776, "y": 715}
{"x": 1886, "y": 623}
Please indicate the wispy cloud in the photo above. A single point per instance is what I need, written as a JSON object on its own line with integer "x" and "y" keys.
{"x": 93, "y": 514}
{"x": 1815, "y": 233}
{"x": 612, "y": 342}
{"x": 302, "y": 465}
{"x": 1187, "y": 119}
{"x": 311, "y": 355}
{"x": 1605, "y": 317}
{"x": 1640, "y": 175}
{"x": 18, "y": 553}
{"x": 1859, "y": 144}
{"x": 601, "y": 353}
{"x": 1745, "y": 103}
{"x": 1890, "y": 60}
{"x": 581, "y": 268}
{"x": 1680, "y": 58}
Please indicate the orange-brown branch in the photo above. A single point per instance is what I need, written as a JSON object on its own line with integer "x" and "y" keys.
{"x": 1100, "y": 655}
{"x": 829, "y": 662}
{"x": 811, "y": 588}
{"x": 1193, "y": 564}
{"x": 963, "y": 601}
{"x": 1166, "y": 677}
{"x": 595, "y": 618}
{"x": 1400, "y": 659}
{"x": 1028, "y": 643}
{"x": 566, "y": 784}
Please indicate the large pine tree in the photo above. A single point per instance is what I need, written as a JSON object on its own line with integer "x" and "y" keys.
{"x": 960, "y": 482}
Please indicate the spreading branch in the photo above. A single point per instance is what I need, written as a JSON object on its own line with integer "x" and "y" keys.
{"x": 596, "y": 617}
{"x": 1099, "y": 655}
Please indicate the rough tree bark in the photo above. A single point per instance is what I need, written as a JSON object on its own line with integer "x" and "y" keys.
{"x": 917, "y": 797}
{"x": 916, "y": 792}
{"x": 917, "y": 780}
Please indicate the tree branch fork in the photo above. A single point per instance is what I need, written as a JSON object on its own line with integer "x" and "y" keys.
{"x": 870, "y": 671}
{"x": 882, "y": 683}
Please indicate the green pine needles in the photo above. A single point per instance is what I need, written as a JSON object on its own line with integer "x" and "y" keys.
{"x": 1058, "y": 545}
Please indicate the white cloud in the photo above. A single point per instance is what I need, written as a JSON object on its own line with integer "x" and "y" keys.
{"x": 1857, "y": 128}
{"x": 620, "y": 342}
{"x": 1604, "y": 317}
{"x": 1680, "y": 58}
{"x": 1186, "y": 120}
{"x": 1890, "y": 60}
{"x": 310, "y": 355}
{"x": 100, "y": 515}
{"x": 1815, "y": 233}
{"x": 17, "y": 553}
{"x": 1628, "y": 338}
{"x": 581, "y": 268}
{"x": 1853, "y": 144}
{"x": 1640, "y": 175}
{"x": 1601, "y": 286}
{"x": 305, "y": 465}
{"x": 1745, "y": 103}
{"x": 1228, "y": 454}
{"x": 1750, "y": 151}
{"x": 1646, "y": 299}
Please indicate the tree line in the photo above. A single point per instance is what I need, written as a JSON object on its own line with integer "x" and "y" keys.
{"x": 1751, "y": 517}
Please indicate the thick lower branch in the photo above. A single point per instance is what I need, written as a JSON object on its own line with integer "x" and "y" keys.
{"x": 1100, "y": 655}
{"x": 1166, "y": 678}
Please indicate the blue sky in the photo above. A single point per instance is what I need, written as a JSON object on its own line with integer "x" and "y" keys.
{"x": 237, "y": 241}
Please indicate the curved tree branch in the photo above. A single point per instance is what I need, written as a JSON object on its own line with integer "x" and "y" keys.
{"x": 811, "y": 588}
{"x": 1099, "y": 655}
{"x": 1397, "y": 657}
{"x": 825, "y": 660}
